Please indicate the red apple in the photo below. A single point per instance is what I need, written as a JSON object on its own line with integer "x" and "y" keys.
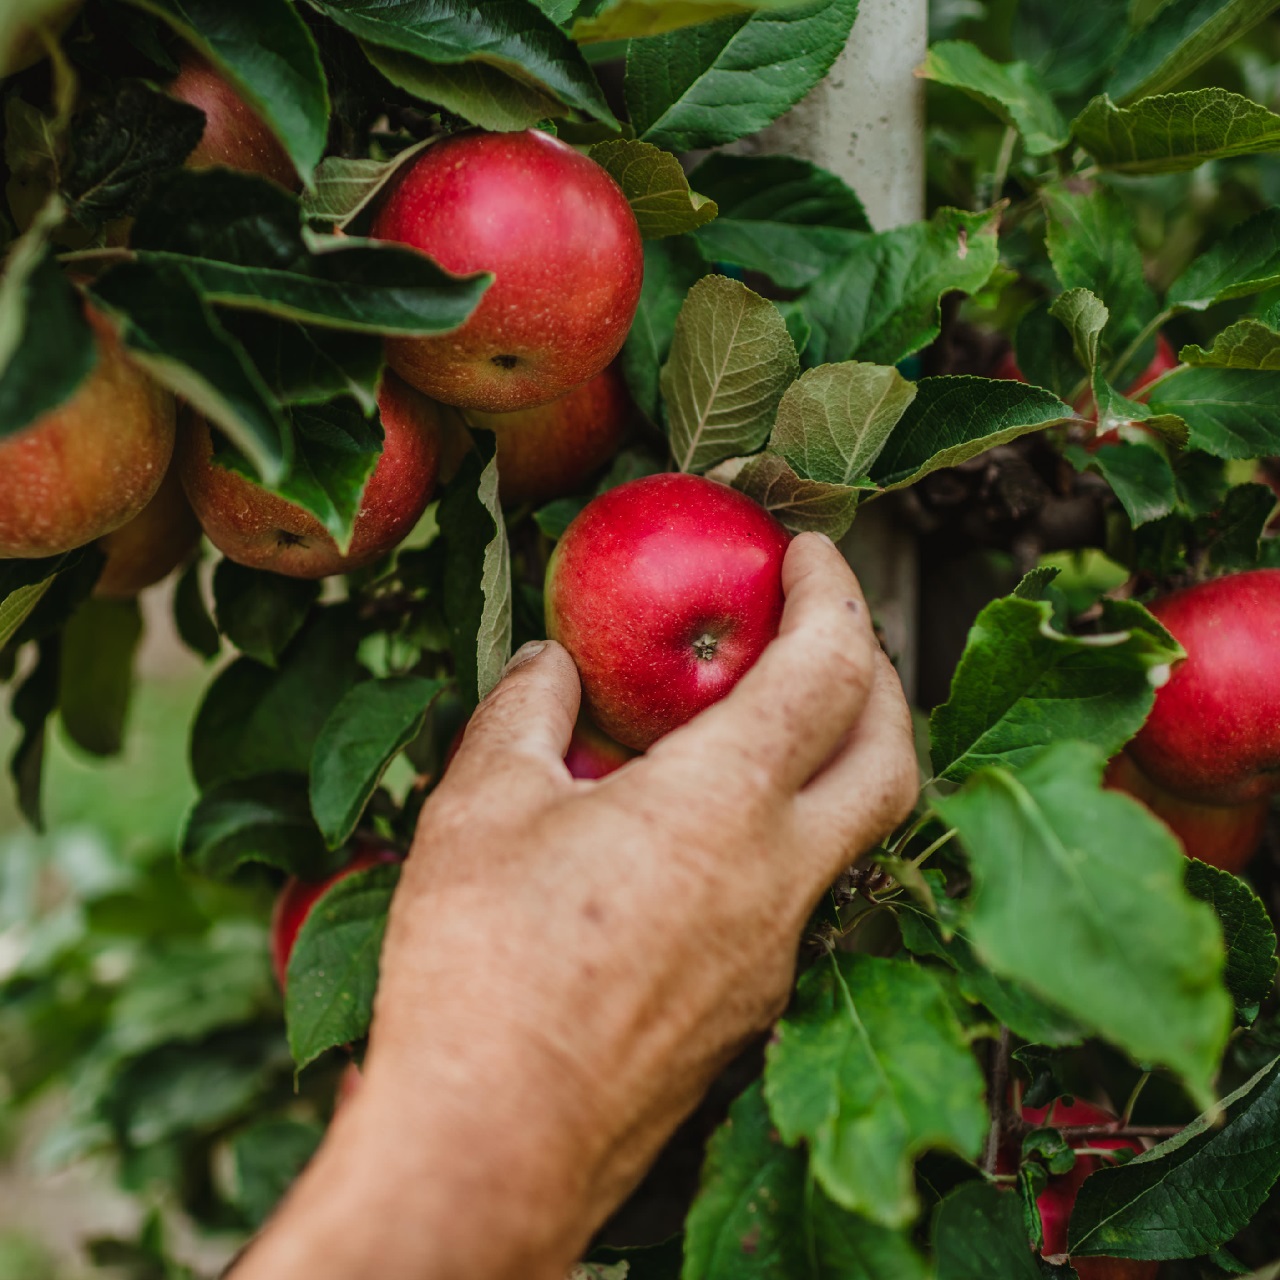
{"x": 593, "y": 754}
{"x": 1164, "y": 359}
{"x": 264, "y": 531}
{"x": 297, "y": 897}
{"x": 664, "y": 590}
{"x": 1058, "y": 1199}
{"x": 90, "y": 465}
{"x": 154, "y": 543}
{"x": 558, "y": 235}
{"x": 1224, "y": 836}
{"x": 235, "y": 135}
{"x": 552, "y": 450}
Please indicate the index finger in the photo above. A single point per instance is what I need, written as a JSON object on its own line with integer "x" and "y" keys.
{"x": 788, "y": 714}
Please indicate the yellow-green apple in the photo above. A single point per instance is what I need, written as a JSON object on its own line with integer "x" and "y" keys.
{"x": 154, "y": 543}
{"x": 553, "y": 449}
{"x": 1207, "y": 760}
{"x": 297, "y": 897}
{"x": 264, "y": 531}
{"x": 562, "y": 243}
{"x": 664, "y": 591}
{"x": 1058, "y": 1199}
{"x": 235, "y": 135}
{"x": 90, "y": 465}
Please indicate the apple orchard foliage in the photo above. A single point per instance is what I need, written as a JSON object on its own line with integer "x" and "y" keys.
{"x": 1097, "y": 174}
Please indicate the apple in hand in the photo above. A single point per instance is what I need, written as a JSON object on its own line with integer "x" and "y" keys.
{"x": 552, "y": 450}
{"x": 235, "y": 135}
{"x": 154, "y": 543}
{"x": 297, "y": 897}
{"x": 593, "y": 754}
{"x": 564, "y": 249}
{"x": 1058, "y": 1199}
{"x": 90, "y": 465}
{"x": 1207, "y": 760}
{"x": 264, "y": 531}
{"x": 664, "y": 591}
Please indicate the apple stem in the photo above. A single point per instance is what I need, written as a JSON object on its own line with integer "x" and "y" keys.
{"x": 996, "y": 1095}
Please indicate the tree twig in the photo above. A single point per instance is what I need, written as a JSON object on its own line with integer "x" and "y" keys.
{"x": 996, "y": 1100}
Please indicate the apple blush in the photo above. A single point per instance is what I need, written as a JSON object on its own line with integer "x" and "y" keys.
{"x": 562, "y": 244}
{"x": 664, "y": 591}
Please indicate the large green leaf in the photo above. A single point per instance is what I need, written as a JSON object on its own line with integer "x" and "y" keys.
{"x": 721, "y": 80}
{"x": 1191, "y": 1194}
{"x": 266, "y": 50}
{"x": 260, "y": 613}
{"x": 626, "y": 19}
{"x": 978, "y": 1234}
{"x": 1247, "y": 344}
{"x": 758, "y": 1215}
{"x": 1139, "y": 475}
{"x": 1079, "y": 895}
{"x": 1021, "y": 685}
{"x": 797, "y": 503}
{"x": 655, "y": 187}
{"x": 1012, "y": 90}
{"x": 508, "y": 35}
{"x": 1230, "y": 413}
{"x": 99, "y": 644}
{"x": 833, "y": 421}
{"x": 1183, "y": 35}
{"x": 778, "y": 215}
{"x": 955, "y": 418}
{"x": 1175, "y": 131}
{"x": 870, "y": 1067}
{"x": 1245, "y": 261}
{"x": 881, "y": 303}
{"x": 333, "y": 970}
{"x": 365, "y": 732}
{"x": 1071, "y": 46}
{"x": 731, "y": 360}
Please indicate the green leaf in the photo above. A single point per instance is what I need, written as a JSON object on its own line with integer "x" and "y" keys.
{"x": 20, "y": 45}
{"x": 758, "y": 1216}
{"x": 1026, "y": 1015}
{"x": 1234, "y": 539}
{"x": 1183, "y": 35}
{"x": 882, "y": 303}
{"x": 172, "y": 334}
{"x": 254, "y": 720}
{"x": 16, "y": 607}
{"x": 1175, "y": 131}
{"x": 627, "y": 19}
{"x": 721, "y": 80}
{"x": 364, "y": 733}
{"x": 513, "y": 38}
{"x": 1230, "y": 413}
{"x": 1078, "y": 895}
{"x": 98, "y": 648}
{"x": 263, "y": 819}
{"x": 655, "y": 187}
{"x": 798, "y": 504}
{"x": 266, "y": 1159}
{"x": 265, "y": 50}
{"x": 871, "y": 1068}
{"x": 671, "y": 268}
{"x": 1085, "y": 316}
{"x": 1120, "y": 418}
{"x": 1139, "y": 475}
{"x": 1021, "y": 685}
{"x": 978, "y": 1234}
{"x": 1245, "y": 261}
{"x": 34, "y": 701}
{"x": 731, "y": 360}
{"x": 260, "y": 613}
{"x": 1092, "y": 244}
{"x": 477, "y": 576}
{"x": 955, "y": 418}
{"x": 191, "y": 617}
{"x": 46, "y": 346}
{"x": 1071, "y": 46}
{"x": 333, "y": 970}
{"x": 1191, "y": 1194}
{"x": 344, "y": 187}
{"x": 779, "y": 215}
{"x": 1247, "y": 344}
{"x": 1247, "y": 931}
{"x": 1012, "y": 90}
{"x": 833, "y": 421}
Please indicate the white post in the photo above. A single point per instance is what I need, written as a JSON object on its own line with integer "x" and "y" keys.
{"x": 865, "y": 122}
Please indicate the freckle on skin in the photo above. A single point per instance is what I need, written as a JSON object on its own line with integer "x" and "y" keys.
{"x": 851, "y": 605}
{"x": 593, "y": 912}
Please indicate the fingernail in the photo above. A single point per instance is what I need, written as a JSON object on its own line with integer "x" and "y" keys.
{"x": 825, "y": 538}
{"x": 525, "y": 653}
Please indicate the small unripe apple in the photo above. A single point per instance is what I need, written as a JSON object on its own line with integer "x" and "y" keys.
{"x": 90, "y": 465}
{"x": 235, "y": 135}
{"x": 297, "y": 897}
{"x": 664, "y": 591}
{"x": 564, "y": 249}
{"x": 154, "y": 543}
{"x": 264, "y": 531}
{"x": 552, "y": 450}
